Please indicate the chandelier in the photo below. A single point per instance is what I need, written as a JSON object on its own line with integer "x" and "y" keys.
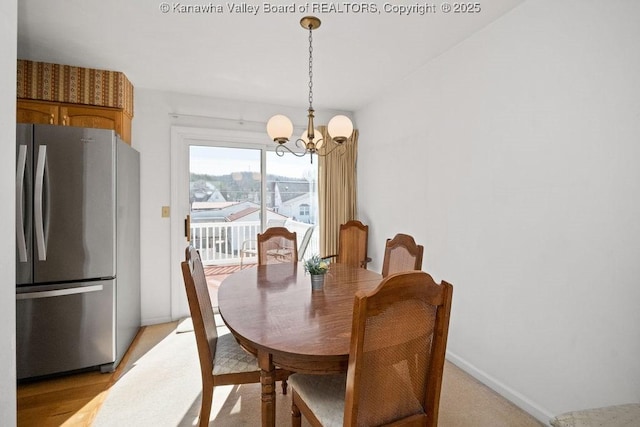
{"x": 280, "y": 127}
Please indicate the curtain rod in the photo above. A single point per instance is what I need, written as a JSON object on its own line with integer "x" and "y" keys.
{"x": 235, "y": 121}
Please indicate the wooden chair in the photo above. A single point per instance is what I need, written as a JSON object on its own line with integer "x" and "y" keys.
{"x": 396, "y": 359}
{"x": 401, "y": 254}
{"x": 352, "y": 244}
{"x": 222, "y": 360}
{"x": 277, "y": 244}
{"x": 249, "y": 248}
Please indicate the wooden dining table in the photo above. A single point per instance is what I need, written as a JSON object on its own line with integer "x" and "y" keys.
{"x": 274, "y": 314}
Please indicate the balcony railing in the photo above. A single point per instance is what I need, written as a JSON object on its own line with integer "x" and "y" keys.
{"x": 219, "y": 243}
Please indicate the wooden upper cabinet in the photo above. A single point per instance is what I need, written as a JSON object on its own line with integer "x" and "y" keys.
{"x": 54, "y": 113}
{"x": 90, "y": 117}
{"x": 39, "y": 112}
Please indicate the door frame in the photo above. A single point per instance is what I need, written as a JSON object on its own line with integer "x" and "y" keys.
{"x": 181, "y": 138}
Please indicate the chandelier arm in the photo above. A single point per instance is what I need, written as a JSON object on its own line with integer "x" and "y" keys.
{"x": 300, "y": 143}
{"x": 335, "y": 147}
{"x": 280, "y": 151}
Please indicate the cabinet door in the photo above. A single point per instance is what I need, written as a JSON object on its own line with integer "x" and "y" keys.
{"x": 53, "y": 113}
{"x": 40, "y": 112}
{"x": 91, "y": 117}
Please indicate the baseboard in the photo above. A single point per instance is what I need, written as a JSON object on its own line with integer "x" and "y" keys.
{"x": 508, "y": 393}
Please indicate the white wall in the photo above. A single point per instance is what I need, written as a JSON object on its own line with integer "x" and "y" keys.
{"x": 151, "y": 135}
{"x": 516, "y": 166}
{"x": 8, "y": 35}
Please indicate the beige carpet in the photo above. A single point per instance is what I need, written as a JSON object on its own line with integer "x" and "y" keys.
{"x": 161, "y": 387}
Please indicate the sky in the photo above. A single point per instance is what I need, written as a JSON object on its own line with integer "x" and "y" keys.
{"x": 222, "y": 160}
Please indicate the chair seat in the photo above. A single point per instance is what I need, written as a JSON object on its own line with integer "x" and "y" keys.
{"x": 231, "y": 358}
{"x": 324, "y": 394}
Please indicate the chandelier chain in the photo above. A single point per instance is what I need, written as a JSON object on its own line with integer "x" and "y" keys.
{"x": 310, "y": 68}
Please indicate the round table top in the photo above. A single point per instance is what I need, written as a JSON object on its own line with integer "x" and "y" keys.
{"x": 271, "y": 308}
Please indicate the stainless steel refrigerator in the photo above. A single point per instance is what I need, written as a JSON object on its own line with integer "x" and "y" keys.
{"x": 77, "y": 249}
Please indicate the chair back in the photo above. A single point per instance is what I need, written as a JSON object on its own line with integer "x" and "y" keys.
{"x": 204, "y": 322}
{"x": 396, "y": 360}
{"x": 352, "y": 244}
{"x": 401, "y": 254}
{"x": 277, "y": 244}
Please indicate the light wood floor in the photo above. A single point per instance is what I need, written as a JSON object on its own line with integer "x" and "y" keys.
{"x": 71, "y": 400}
{"x": 77, "y": 400}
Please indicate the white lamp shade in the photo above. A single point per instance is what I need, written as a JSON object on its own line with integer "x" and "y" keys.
{"x": 317, "y": 138}
{"x": 279, "y": 128}
{"x": 340, "y": 128}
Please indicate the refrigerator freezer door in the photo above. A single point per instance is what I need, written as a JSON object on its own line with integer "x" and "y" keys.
{"x": 64, "y": 327}
{"x": 76, "y": 202}
{"x": 24, "y": 208}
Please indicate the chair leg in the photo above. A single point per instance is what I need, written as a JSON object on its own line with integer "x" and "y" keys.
{"x": 296, "y": 420}
{"x": 284, "y": 387}
{"x": 205, "y": 407}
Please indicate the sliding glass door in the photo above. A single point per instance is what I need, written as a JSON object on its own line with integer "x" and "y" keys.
{"x": 236, "y": 192}
{"x": 225, "y": 198}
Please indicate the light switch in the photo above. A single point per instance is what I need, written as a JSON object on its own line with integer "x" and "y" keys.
{"x": 165, "y": 212}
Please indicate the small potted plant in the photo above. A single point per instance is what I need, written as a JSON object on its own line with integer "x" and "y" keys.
{"x": 317, "y": 268}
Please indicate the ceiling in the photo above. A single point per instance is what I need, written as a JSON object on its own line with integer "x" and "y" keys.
{"x": 259, "y": 57}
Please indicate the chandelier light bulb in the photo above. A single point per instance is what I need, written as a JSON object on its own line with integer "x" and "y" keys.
{"x": 279, "y": 128}
{"x": 317, "y": 138}
{"x": 340, "y": 128}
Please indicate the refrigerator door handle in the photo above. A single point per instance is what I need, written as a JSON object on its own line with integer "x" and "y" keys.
{"x": 39, "y": 202}
{"x": 20, "y": 234}
{"x": 60, "y": 292}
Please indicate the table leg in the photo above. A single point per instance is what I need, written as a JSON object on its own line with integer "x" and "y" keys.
{"x": 268, "y": 383}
